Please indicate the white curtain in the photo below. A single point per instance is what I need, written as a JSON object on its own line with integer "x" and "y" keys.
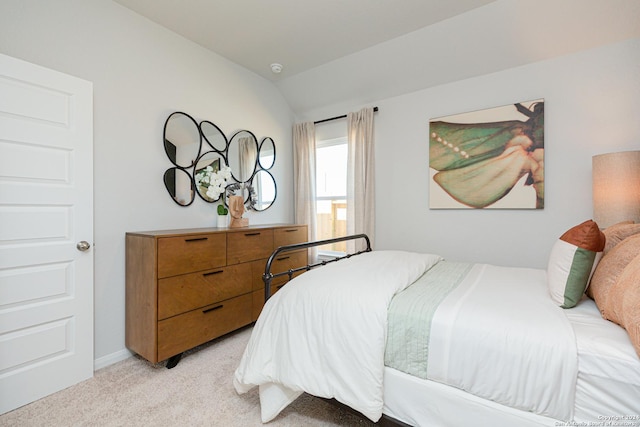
{"x": 248, "y": 156}
{"x": 360, "y": 177}
{"x": 304, "y": 179}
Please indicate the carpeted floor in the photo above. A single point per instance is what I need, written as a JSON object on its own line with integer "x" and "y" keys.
{"x": 197, "y": 392}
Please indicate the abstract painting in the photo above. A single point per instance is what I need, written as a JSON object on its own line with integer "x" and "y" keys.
{"x": 488, "y": 159}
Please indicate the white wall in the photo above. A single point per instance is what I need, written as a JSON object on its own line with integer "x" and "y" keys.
{"x": 592, "y": 100}
{"x": 141, "y": 73}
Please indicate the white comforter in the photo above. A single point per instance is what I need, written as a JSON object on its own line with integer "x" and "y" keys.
{"x": 343, "y": 358}
{"x": 499, "y": 336}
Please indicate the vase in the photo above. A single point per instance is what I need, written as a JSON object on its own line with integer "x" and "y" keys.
{"x": 223, "y": 221}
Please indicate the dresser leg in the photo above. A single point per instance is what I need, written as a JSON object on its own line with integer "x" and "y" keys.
{"x": 173, "y": 361}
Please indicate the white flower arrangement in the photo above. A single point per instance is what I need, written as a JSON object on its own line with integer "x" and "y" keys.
{"x": 214, "y": 182}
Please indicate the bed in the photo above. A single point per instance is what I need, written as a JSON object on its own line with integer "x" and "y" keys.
{"x": 427, "y": 341}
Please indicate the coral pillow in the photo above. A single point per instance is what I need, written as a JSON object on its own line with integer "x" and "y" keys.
{"x": 572, "y": 261}
{"x": 615, "y": 234}
{"x": 609, "y": 270}
{"x": 623, "y": 302}
{"x": 618, "y": 232}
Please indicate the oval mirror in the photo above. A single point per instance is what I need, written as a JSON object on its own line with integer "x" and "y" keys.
{"x": 181, "y": 139}
{"x": 267, "y": 155}
{"x": 179, "y": 185}
{"x": 209, "y": 162}
{"x": 213, "y": 135}
{"x": 242, "y": 156}
{"x": 265, "y": 189}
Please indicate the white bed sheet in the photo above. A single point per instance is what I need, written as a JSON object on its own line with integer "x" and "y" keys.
{"x": 608, "y": 367}
{"x": 420, "y": 402}
{"x": 607, "y": 389}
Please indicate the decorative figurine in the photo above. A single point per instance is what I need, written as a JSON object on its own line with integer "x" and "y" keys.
{"x": 236, "y": 208}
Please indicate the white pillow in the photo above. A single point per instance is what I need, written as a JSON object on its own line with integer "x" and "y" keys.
{"x": 573, "y": 259}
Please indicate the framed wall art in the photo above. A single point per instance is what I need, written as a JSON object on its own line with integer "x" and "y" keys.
{"x": 488, "y": 159}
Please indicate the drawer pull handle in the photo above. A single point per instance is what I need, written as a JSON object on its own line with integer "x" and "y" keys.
{"x": 213, "y": 272}
{"x": 283, "y": 258}
{"x": 212, "y": 309}
{"x": 251, "y": 234}
{"x": 196, "y": 239}
{"x": 291, "y": 230}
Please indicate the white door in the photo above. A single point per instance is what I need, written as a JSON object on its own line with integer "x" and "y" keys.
{"x": 46, "y": 209}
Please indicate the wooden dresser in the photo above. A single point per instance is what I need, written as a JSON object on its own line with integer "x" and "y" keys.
{"x": 187, "y": 287}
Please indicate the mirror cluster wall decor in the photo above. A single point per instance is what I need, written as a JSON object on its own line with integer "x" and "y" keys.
{"x": 208, "y": 164}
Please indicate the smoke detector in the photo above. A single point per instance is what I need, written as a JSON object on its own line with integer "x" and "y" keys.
{"x": 276, "y": 68}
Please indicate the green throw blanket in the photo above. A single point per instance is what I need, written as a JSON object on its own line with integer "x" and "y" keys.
{"x": 411, "y": 312}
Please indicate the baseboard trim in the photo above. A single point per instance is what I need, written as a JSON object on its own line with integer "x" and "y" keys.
{"x": 110, "y": 359}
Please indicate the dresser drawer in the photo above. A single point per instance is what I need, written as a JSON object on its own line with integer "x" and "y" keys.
{"x": 257, "y": 270}
{"x": 249, "y": 245}
{"x": 289, "y": 236}
{"x": 258, "y": 298}
{"x": 184, "y": 254}
{"x": 258, "y": 303}
{"x": 281, "y": 263}
{"x": 186, "y": 292}
{"x": 289, "y": 260}
{"x": 180, "y": 333}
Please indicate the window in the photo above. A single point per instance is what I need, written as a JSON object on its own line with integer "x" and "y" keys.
{"x": 331, "y": 194}
{"x": 265, "y": 188}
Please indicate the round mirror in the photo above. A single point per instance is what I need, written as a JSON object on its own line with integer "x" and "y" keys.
{"x": 245, "y": 190}
{"x": 265, "y": 189}
{"x": 267, "y": 155}
{"x": 213, "y": 135}
{"x": 179, "y": 185}
{"x": 243, "y": 155}
{"x": 181, "y": 139}
{"x": 209, "y": 163}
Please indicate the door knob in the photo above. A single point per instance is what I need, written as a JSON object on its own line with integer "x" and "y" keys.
{"x": 83, "y": 245}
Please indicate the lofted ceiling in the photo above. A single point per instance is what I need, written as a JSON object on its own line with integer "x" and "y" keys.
{"x": 336, "y": 52}
{"x": 298, "y": 34}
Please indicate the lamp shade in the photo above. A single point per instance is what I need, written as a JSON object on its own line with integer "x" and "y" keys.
{"x": 616, "y": 188}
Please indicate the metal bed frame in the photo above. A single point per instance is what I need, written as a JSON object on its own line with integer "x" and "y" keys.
{"x": 267, "y": 277}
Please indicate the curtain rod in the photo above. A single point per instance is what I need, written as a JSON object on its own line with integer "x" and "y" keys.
{"x": 344, "y": 116}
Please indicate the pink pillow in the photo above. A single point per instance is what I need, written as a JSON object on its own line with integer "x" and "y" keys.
{"x": 618, "y": 232}
{"x": 623, "y": 302}
{"x": 609, "y": 270}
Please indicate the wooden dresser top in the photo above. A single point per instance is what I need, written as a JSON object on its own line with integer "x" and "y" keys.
{"x": 191, "y": 231}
